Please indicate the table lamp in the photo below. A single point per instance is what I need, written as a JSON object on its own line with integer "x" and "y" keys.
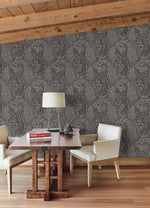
{"x": 53, "y": 100}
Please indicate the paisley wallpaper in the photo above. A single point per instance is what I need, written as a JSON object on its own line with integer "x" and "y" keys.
{"x": 105, "y": 75}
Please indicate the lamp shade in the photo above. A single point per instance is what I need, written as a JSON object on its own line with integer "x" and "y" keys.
{"x": 53, "y": 100}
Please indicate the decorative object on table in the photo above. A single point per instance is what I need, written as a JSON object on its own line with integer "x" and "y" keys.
{"x": 39, "y": 135}
{"x": 67, "y": 128}
{"x": 53, "y": 100}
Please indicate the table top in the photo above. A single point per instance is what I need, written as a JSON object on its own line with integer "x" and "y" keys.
{"x": 59, "y": 141}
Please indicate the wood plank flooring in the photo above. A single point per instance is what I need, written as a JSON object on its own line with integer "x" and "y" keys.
{"x": 131, "y": 191}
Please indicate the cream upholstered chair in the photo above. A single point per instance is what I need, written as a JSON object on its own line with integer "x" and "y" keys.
{"x": 99, "y": 147}
{"x": 10, "y": 158}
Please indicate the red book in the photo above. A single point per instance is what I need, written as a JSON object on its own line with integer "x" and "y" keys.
{"x": 38, "y": 133}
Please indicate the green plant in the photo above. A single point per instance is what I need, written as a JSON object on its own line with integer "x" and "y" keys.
{"x": 67, "y": 128}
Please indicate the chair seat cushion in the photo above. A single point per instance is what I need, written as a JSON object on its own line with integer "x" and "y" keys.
{"x": 86, "y": 153}
{"x": 13, "y": 157}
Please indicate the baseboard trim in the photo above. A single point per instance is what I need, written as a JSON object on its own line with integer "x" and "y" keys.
{"x": 134, "y": 161}
{"x": 122, "y": 162}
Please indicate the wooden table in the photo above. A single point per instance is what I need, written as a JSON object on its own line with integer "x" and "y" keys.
{"x": 53, "y": 164}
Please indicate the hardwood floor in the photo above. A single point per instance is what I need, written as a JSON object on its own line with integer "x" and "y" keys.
{"x": 131, "y": 191}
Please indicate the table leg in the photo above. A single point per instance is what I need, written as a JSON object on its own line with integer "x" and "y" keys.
{"x": 34, "y": 171}
{"x": 54, "y": 159}
{"x": 47, "y": 175}
{"x": 48, "y": 192}
{"x": 59, "y": 170}
{"x": 64, "y": 160}
{"x": 34, "y": 192}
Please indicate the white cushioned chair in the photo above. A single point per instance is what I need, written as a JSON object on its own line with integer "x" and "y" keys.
{"x": 99, "y": 147}
{"x": 10, "y": 158}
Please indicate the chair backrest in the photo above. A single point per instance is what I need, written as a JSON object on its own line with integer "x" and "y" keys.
{"x": 108, "y": 132}
{"x": 4, "y": 135}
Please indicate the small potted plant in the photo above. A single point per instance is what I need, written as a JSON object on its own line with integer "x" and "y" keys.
{"x": 67, "y": 129}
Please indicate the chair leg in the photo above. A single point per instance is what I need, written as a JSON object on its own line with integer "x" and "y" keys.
{"x": 117, "y": 168}
{"x": 89, "y": 174}
{"x": 71, "y": 163}
{"x": 9, "y": 179}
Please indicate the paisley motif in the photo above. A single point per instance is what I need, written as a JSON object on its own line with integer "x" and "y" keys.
{"x": 105, "y": 75}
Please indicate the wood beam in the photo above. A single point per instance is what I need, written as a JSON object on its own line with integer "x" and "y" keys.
{"x": 81, "y": 19}
{"x": 69, "y": 28}
{"x": 74, "y": 15}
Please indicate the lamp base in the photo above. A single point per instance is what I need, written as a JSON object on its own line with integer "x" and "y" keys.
{"x": 53, "y": 130}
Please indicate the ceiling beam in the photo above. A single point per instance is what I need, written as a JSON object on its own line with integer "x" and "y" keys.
{"x": 81, "y": 19}
{"x": 72, "y": 15}
{"x": 104, "y": 23}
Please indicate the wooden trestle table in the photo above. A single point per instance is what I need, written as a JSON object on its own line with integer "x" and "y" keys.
{"x": 54, "y": 157}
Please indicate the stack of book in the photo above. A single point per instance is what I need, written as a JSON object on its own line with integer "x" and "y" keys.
{"x": 39, "y": 135}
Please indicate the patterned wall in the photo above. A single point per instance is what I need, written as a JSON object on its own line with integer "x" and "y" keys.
{"x": 105, "y": 75}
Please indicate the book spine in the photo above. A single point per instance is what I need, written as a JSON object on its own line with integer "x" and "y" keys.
{"x": 40, "y": 138}
{"x": 48, "y": 139}
{"x": 39, "y": 135}
{"x": 39, "y": 141}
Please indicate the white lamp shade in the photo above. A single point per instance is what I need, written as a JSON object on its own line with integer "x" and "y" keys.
{"x": 53, "y": 100}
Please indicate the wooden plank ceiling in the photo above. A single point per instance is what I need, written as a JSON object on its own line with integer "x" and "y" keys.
{"x": 30, "y": 19}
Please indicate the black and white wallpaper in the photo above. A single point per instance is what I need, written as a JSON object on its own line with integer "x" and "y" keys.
{"x": 105, "y": 75}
